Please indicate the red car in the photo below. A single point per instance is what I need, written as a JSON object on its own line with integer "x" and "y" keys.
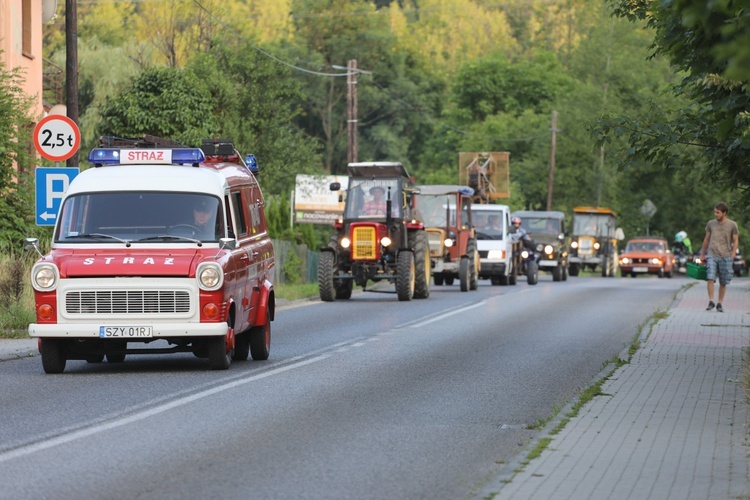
{"x": 647, "y": 255}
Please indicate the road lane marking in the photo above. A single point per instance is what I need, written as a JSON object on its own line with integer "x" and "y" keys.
{"x": 142, "y": 415}
{"x": 445, "y": 315}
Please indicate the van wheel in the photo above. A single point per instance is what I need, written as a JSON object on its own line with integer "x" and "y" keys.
{"x": 438, "y": 279}
{"x": 96, "y": 358}
{"x": 218, "y": 357}
{"x": 53, "y": 355}
{"x": 241, "y": 346}
{"x": 115, "y": 358}
{"x": 260, "y": 340}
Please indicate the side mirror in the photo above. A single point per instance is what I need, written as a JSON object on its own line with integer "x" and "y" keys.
{"x": 32, "y": 244}
{"x": 335, "y": 186}
{"x": 229, "y": 243}
{"x": 619, "y": 234}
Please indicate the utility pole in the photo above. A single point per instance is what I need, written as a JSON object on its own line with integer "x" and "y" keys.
{"x": 351, "y": 111}
{"x": 71, "y": 67}
{"x": 551, "y": 180}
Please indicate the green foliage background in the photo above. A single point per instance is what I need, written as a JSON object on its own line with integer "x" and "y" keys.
{"x": 644, "y": 112}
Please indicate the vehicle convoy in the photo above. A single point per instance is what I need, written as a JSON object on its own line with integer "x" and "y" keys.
{"x": 446, "y": 213}
{"x": 547, "y": 230}
{"x": 499, "y": 254}
{"x": 131, "y": 264}
{"x": 647, "y": 255}
{"x": 594, "y": 241}
{"x": 379, "y": 237}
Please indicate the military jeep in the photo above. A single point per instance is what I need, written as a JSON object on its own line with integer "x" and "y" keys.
{"x": 379, "y": 237}
{"x": 547, "y": 230}
{"x": 446, "y": 212}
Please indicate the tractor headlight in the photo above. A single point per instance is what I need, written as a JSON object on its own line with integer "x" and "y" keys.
{"x": 386, "y": 241}
{"x": 574, "y": 245}
{"x": 346, "y": 242}
{"x": 44, "y": 277}
{"x": 448, "y": 242}
{"x": 210, "y": 276}
{"x": 597, "y": 246}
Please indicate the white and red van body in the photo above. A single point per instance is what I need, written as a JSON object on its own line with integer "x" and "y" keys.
{"x": 127, "y": 268}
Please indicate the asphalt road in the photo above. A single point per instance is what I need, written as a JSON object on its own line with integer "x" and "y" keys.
{"x": 366, "y": 398}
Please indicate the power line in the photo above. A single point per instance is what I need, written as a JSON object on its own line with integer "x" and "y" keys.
{"x": 318, "y": 73}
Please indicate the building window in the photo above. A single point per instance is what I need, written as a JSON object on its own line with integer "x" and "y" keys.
{"x": 27, "y": 31}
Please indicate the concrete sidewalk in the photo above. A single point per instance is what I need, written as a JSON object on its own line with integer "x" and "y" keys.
{"x": 671, "y": 424}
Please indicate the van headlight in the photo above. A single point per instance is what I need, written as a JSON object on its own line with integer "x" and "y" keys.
{"x": 44, "y": 277}
{"x": 209, "y": 276}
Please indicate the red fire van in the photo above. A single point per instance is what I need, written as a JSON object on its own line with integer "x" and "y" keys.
{"x": 157, "y": 250}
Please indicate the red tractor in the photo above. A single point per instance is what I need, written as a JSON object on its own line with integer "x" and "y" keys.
{"x": 379, "y": 237}
{"x": 446, "y": 211}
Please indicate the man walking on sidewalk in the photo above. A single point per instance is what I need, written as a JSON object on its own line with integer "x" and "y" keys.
{"x": 721, "y": 241}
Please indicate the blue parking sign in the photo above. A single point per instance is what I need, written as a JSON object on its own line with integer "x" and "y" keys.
{"x": 51, "y": 184}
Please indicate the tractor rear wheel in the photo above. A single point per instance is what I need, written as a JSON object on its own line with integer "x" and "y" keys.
{"x": 325, "y": 276}
{"x": 405, "y": 275}
{"x": 463, "y": 273}
{"x": 471, "y": 251}
{"x": 420, "y": 246}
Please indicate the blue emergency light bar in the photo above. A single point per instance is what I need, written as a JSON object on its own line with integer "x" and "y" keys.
{"x": 178, "y": 156}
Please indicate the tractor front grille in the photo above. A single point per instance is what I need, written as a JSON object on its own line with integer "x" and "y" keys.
{"x": 586, "y": 245}
{"x": 364, "y": 243}
{"x": 435, "y": 239}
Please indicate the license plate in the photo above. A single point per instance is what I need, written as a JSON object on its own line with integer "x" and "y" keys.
{"x": 125, "y": 332}
{"x": 640, "y": 269}
{"x": 548, "y": 263}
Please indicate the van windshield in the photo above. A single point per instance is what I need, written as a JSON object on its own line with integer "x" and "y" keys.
{"x": 146, "y": 216}
{"x": 489, "y": 224}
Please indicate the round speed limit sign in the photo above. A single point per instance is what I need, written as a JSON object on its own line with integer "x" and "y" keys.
{"x": 57, "y": 137}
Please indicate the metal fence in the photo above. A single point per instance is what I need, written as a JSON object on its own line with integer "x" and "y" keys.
{"x": 295, "y": 263}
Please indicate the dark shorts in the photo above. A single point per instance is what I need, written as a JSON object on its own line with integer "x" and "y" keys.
{"x": 721, "y": 266}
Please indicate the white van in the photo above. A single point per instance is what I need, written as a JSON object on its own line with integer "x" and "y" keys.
{"x": 495, "y": 246}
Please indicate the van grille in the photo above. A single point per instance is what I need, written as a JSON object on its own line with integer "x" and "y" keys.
{"x": 128, "y": 302}
{"x": 364, "y": 243}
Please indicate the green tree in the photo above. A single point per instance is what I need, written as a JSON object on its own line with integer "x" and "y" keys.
{"x": 255, "y": 102}
{"x": 16, "y": 161}
{"x": 708, "y": 43}
{"x": 164, "y": 102}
